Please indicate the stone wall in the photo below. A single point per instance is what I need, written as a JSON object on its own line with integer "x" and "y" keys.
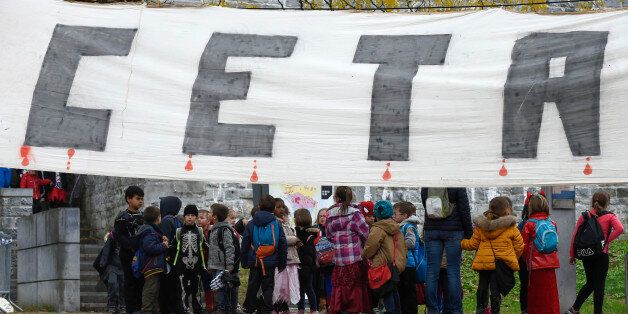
{"x": 14, "y": 204}
{"x": 103, "y": 197}
{"x": 49, "y": 260}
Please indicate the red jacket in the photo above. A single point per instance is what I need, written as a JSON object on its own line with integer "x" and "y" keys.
{"x": 29, "y": 181}
{"x": 539, "y": 260}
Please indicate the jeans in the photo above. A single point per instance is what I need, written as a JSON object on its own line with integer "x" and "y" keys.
{"x": 306, "y": 282}
{"x": 392, "y": 302}
{"x": 435, "y": 242}
{"x": 596, "y": 270}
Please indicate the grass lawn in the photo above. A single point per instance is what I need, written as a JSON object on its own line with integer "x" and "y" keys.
{"x": 614, "y": 299}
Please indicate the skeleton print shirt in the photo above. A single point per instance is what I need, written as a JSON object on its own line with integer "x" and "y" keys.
{"x": 189, "y": 255}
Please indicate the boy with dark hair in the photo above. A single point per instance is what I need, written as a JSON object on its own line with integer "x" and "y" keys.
{"x": 264, "y": 248}
{"x": 405, "y": 216}
{"x": 124, "y": 229}
{"x": 189, "y": 260}
{"x": 169, "y": 207}
{"x": 225, "y": 247}
{"x": 153, "y": 247}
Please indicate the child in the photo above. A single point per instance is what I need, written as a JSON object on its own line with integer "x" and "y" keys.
{"x": 263, "y": 253}
{"x": 307, "y": 255}
{"x": 110, "y": 269}
{"x": 596, "y": 267}
{"x": 385, "y": 244}
{"x": 31, "y": 180}
{"x": 169, "y": 206}
{"x": 153, "y": 247}
{"x": 189, "y": 260}
{"x": 125, "y": 227}
{"x": 205, "y": 222}
{"x": 222, "y": 245}
{"x": 542, "y": 287}
{"x": 366, "y": 208}
{"x": 347, "y": 230}
{"x": 232, "y": 218}
{"x": 495, "y": 237}
{"x": 523, "y": 269}
{"x": 407, "y": 220}
{"x": 322, "y": 276}
{"x": 287, "y": 281}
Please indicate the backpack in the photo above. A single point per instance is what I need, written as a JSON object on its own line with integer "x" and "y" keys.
{"x": 417, "y": 258}
{"x": 324, "y": 252}
{"x": 175, "y": 221}
{"x": 236, "y": 245}
{"x": 546, "y": 238}
{"x": 589, "y": 241}
{"x": 265, "y": 241}
{"x": 136, "y": 264}
{"x": 437, "y": 205}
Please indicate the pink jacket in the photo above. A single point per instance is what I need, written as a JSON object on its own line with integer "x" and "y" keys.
{"x": 348, "y": 233}
{"x": 606, "y": 221}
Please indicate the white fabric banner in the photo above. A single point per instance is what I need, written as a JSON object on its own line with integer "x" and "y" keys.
{"x": 488, "y": 98}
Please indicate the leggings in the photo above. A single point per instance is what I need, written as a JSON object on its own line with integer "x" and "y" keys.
{"x": 596, "y": 270}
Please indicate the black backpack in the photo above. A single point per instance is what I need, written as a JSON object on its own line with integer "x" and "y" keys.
{"x": 236, "y": 244}
{"x": 589, "y": 241}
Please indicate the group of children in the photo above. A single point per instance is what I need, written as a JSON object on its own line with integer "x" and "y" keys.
{"x": 354, "y": 257}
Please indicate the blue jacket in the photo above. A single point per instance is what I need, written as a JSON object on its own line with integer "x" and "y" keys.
{"x": 279, "y": 258}
{"x": 460, "y": 218}
{"x": 153, "y": 251}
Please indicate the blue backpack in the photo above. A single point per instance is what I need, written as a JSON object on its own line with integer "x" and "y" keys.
{"x": 416, "y": 257}
{"x": 265, "y": 241}
{"x": 546, "y": 238}
{"x": 136, "y": 264}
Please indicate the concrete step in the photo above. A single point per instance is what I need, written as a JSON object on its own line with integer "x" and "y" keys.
{"x": 93, "y": 307}
{"x": 91, "y": 257}
{"x": 93, "y": 286}
{"x": 93, "y": 297}
{"x": 89, "y": 276}
{"x": 91, "y": 248}
{"x": 87, "y": 266}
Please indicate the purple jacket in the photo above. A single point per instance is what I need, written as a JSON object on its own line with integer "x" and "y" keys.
{"x": 348, "y": 233}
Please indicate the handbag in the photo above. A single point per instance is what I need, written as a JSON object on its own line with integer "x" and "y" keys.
{"x": 381, "y": 279}
{"x": 504, "y": 275}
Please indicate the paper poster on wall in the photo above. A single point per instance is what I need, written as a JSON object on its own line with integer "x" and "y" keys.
{"x": 300, "y": 196}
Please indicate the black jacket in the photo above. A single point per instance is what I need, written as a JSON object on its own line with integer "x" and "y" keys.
{"x": 169, "y": 207}
{"x": 307, "y": 251}
{"x": 124, "y": 230}
{"x": 460, "y": 218}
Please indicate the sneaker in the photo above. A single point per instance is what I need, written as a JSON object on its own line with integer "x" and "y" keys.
{"x": 571, "y": 310}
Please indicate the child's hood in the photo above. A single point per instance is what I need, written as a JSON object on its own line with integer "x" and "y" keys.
{"x": 147, "y": 228}
{"x": 388, "y": 225}
{"x": 414, "y": 219}
{"x": 495, "y": 227}
{"x": 262, "y": 218}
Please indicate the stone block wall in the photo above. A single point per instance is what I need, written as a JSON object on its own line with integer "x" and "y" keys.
{"x": 49, "y": 260}
{"x": 103, "y": 197}
{"x": 14, "y": 204}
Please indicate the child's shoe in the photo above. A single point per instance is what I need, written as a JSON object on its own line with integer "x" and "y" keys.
{"x": 301, "y": 312}
{"x": 572, "y": 311}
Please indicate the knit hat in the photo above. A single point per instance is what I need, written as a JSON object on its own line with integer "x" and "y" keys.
{"x": 366, "y": 208}
{"x": 190, "y": 210}
{"x": 383, "y": 210}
